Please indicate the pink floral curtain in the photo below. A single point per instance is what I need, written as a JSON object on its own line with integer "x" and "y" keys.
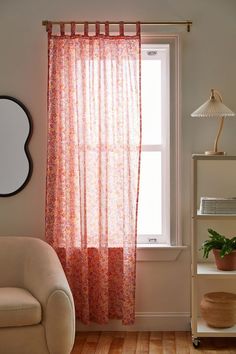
{"x": 94, "y": 133}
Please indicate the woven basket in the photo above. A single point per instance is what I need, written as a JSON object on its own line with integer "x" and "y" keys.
{"x": 219, "y": 309}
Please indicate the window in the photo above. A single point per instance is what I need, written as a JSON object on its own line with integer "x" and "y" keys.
{"x": 159, "y": 161}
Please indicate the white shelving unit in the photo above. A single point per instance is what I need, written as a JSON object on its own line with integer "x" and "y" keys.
{"x": 218, "y": 179}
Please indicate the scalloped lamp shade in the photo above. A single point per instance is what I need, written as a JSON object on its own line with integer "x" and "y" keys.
{"x": 214, "y": 108}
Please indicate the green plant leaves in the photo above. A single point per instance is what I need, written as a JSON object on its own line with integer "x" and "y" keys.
{"x": 218, "y": 241}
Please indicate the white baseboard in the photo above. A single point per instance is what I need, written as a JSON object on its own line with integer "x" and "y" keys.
{"x": 145, "y": 321}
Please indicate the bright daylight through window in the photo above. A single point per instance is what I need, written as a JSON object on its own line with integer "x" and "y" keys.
{"x": 154, "y": 198}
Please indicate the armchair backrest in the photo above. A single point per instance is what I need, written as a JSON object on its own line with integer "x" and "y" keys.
{"x": 14, "y": 252}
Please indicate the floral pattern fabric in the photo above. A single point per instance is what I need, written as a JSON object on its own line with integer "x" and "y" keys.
{"x": 94, "y": 133}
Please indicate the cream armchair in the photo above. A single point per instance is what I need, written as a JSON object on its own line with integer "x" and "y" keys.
{"x": 36, "y": 305}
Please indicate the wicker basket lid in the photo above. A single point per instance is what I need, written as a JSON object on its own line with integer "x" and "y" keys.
{"x": 220, "y": 297}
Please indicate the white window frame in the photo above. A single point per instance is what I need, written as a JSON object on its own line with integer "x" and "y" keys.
{"x": 171, "y": 233}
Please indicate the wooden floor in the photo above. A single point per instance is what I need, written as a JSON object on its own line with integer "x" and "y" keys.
{"x": 149, "y": 342}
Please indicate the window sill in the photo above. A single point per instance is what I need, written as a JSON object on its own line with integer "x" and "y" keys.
{"x": 161, "y": 253}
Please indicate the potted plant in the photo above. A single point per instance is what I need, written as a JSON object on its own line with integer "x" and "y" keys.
{"x": 224, "y": 250}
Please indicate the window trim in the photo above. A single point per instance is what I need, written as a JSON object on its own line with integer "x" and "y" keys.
{"x": 175, "y": 134}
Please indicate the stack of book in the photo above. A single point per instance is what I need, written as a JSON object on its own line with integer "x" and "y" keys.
{"x": 217, "y": 205}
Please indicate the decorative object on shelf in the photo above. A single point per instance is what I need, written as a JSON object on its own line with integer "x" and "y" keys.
{"x": 15, "y": 133}
{"x": 218, "y": 309}
{"x": 228, "y": 262}
{"x": 210, "y": 205}
{"x": 214, "y": 107}
{"x": 224, "y": 250}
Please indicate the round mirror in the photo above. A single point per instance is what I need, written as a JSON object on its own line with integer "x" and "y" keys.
{"x": 15, "y": 132}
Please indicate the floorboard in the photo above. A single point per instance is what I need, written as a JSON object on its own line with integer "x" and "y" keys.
{"x": 149, "y": 343}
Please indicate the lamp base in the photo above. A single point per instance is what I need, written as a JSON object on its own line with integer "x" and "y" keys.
{"x": 215, "y": 153}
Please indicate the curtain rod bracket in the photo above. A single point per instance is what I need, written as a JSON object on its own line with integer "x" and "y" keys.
{"x": 189, "y": 23}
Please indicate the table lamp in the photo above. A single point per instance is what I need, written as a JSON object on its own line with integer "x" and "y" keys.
{"x": 215, "y": 108}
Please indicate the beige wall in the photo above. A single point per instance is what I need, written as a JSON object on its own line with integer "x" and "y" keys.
{"x": 208, "y": 60}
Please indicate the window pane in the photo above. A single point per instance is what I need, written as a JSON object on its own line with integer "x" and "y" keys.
{"x": 151, "y": 101}
{"x": 149, "y": 217}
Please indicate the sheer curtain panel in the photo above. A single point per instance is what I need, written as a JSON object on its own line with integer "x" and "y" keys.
{"x": 93, "y": 164}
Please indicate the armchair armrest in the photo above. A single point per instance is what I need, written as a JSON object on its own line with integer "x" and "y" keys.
{"x": 45, "y": 279}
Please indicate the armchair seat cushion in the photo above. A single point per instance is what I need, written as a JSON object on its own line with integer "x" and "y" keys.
{"x": 18, "y": 308}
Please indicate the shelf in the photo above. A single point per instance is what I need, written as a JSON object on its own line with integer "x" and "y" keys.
{"x": 209, "y": 269}
{"x": 203, "y": 330}
{"x": 214, "y": 216}
{"x": 213, "y": 157}
{"x": 213, "y": 176}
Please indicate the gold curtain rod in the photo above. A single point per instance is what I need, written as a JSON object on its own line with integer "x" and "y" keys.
{"x": 161, "y": 23}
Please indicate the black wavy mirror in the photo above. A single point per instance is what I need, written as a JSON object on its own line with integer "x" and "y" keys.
{"x": 15, "y": 132}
